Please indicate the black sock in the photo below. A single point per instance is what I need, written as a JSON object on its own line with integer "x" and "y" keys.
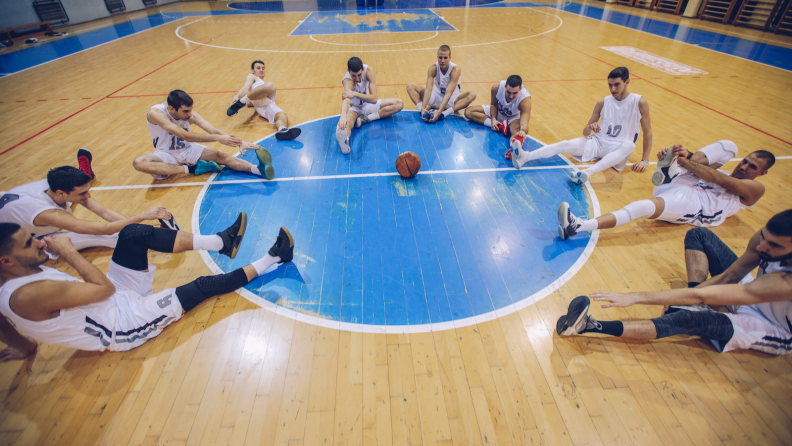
{"x": 612, "y": 328}
{"x": 192, "y": 168}
{"x": 693, "y": 284}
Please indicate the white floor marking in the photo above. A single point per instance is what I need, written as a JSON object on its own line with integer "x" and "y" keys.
{"x": 653, "y": 60}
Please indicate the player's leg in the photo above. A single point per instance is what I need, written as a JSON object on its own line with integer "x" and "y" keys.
{"x": 463, "y": 101}
{"x": 705, "y": 253}
{"x": 83, "y": 241}
{"x": 514, "y": 127}
{"x": 381, "y": 109}
{"x": 158, "y": 167}
{"x": 569, "y": 224}
{"x": 267, "y": 90}
{"x": 343, "y": 135}
{"x": 480, "y": 114}
{"x": 416, "y": 92}
{"x": 264, "y": 168}
{"x": 574, "y": 147}
{"x": 612, "y": 158}
{"x": 275, "y": 115}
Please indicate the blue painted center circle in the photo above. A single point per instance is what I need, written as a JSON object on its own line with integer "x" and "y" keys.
{"x": 464, "y": 239}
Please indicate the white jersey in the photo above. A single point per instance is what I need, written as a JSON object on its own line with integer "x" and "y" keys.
{"x": 360, "y": 87}
{"x": 441, "y": 80}
{"x": 714, "y": 203}
{"x": 162, "y": 139}
{"x": 778, "y": 312}
{"x": 621, "y": 120}
{"x": 510, "y": 110}
{"x": 21, "y": 205}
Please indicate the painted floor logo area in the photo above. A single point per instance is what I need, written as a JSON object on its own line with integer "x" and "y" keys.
{"x": 357, "y": 22}
{"x": 466, "y": 239}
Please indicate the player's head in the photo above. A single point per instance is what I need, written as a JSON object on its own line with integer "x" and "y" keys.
{"x": 69, "y": 183}
{"x": 355, "y": 67}
{"x": 258, "y": 68}
{"x": 775, "y": 239}
{"x": 444, "y": 56}
{"x": 19, "y": 248}
{"x": 754, "y": 165}
{"x": 513, "y": 87}
{"x": 618, "y": 79}
{"x": 180, "y": 104}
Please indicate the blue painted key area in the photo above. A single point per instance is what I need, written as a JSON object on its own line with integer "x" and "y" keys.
{"x": 372, "y": 248}
{"x": 408, "y": 20}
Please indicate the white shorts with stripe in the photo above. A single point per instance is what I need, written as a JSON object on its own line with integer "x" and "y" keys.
{"x": 436, "y": 99}
{"x": 269, "y": 111}
{"x": 752, "y": 330}
{"x": 366, "y": 108}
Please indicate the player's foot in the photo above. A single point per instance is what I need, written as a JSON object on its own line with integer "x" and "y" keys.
{"x": 667, "y": 169}
{"x": 265, "y": 163}
{"x": 426, "y": 115}
{"x": 508, "y": 155}
{"x": 283, "y": 247}
{"x": 84, "y": 159}
{"x": 232, "y": 236}
{"x": 503, "y": 128}
{"x": 234, "y": 108}
{"x": 577, "y": 318}
{"x": 343, "y": 141}
{"x": 361, "y": 121}
{"x": 580, "y": 177}
{"x": 288, "y": 134}
{"x": 437, "y": 112}
{"x": 519, "y": 156}
{"x": 170, "y": 224}
{"x": 569, "y": 223}
{"x": 202, "y": 167}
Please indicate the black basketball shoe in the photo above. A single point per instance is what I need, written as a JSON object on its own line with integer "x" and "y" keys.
{"x": 84, "y": 159}
{"x": 283, "y": 247}
{"x": 232, "y": 237}
{"x": 234, "y": 108}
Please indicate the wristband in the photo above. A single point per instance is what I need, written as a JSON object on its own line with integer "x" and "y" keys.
{"x": 646, "y": 161}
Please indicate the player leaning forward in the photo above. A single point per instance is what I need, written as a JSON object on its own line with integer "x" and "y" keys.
{"x": 443, "y": 90}
{"x": 261, "y": 95}
{"x": 118, "y": 311}
{"x": 177, "y": 149}
{"x": 513, "y": 103}
{"x": 360, "y": 103}
{"x": 614, "y": 124}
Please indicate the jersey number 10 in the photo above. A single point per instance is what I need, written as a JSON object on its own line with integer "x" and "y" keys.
{"x": 614, "y": 131}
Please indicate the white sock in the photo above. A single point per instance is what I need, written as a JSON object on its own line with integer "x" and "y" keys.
{"x": 244, "y": 100}
{"x": 447, "y": 112}
{"x": 264, "y": 263}
{"x": 588, "y": 225}
{"x": 282, "y": 129}
{"x": 420, "y": 106}
{"x": 207, "y": 242}
{"x": 622, "y": 217}
{"x": 186, "y": 169}
{"x": 374, "y": 116}
{"x": 255, "y": 170}
{"x": 488, "y": 122}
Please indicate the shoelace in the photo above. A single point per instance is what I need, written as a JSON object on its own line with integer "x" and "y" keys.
{"x": 594, "y": 323}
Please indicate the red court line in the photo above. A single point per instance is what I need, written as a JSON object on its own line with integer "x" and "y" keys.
{"x": 101, "y": 99}
{"x": 674, "y": 92}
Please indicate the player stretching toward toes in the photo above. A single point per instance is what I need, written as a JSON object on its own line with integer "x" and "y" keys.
{"x": 44, "y": 208}
{"x": 116, "y": 312}
{"x": 443, "y": 90}
{"x": 692, "y": 190}
{"x": 513, "y": 103}
{"x": 761, "y": 310}
{"x": 261, "y": 95}
{"x": 613, "y": 138}
{"x": 359, "y": 102}
{"x": 176, "y": 148}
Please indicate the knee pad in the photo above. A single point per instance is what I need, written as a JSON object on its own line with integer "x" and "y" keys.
{"x": 640, "y": 209}
{"x": 224, "y": 283}
{"x": 134, "y": 231}
{"x": 694, "y": 239}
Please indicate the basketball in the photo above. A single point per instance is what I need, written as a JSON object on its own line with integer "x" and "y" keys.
{"x": 408, "y": 164}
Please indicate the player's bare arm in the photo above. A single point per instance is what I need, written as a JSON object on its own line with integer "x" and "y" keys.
{"x": 107, "y": 214}
{"x": 371, "y": 97}
{"x": 494, "y": 107}
{"x": 453, "y": 81}
{"x": 427, "y": 93}
{"x": 221, "y": 136}
{"x": 159, "y": 118}
{"x": 249, "y": 80}
{"x": 64, "y": 220}
{"x": 592, "y": 126}
{"x": 525, "y": 116}
{"x": 19, "y": 345}
{"x": 42, "y": 300}
{"x": 346, "y": 98}
{"x": 741, "y": 267}
{"x": 646, "y": 130}
{"x": 750, "y": 191}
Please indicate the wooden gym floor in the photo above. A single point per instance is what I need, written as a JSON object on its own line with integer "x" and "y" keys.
{"x": 231, "y": 372}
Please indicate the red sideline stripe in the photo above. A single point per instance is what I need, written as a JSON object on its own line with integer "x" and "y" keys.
{"x": 100, "y": 100}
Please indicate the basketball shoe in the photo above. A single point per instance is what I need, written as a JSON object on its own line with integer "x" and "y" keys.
{"x": 437, "y": 112}
{"x": 503, "y": 128}
{"x": 265, "y": 163}
{"x": 667, "y": 169}
{"x": 577, "y": 318}
{"x": 234, "y": 108}
{"x": 508, "y": 155}
{"x": 232, "y": 236}
{"x": 202, "y": 167}
{"x": 580, "y": 177}
{"x": 84, "y": 159}
{"x": 283, "y": 247}
{"x": 569, "y": 223}
{"x": 343, "y": 141}
{"x": 288, "y": 134}
{"x": 361, "y": 121}
{"x": 170, "y": 224}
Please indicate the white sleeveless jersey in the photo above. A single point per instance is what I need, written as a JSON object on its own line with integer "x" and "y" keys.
{"x": 21, "y": 205}
{"x": 778, "y": 312}
{"x": 717, "y": 203}
{"x": 441, "y": 80}
{"x": 75, "y": 327}
{"x": 621, "y": 120}
{"x": 360, "y": 87}
{"x": 162, "y": 139}
{"x": 510, "y": 110}
{"x": 261, "y": 102}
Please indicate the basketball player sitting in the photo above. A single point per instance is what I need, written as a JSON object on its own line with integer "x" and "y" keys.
{"x": 760, "y": 310}
{"x": 177, "y": 149}
{"x": 118, "y": 311}
{"x": 359, "y": 102}
{"x": 261, "y": 95}
{"x": 513, "y": 103}
{"x": 44, "y": 208}
{"x": 692, "y": 190}
{"x": 613, "y": 138}
{"x": 443, "y": 93}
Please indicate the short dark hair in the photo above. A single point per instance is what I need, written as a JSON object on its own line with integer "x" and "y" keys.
{"x": 514, "y": 81}
{"x": 781, "y": 224}
{"x": 178, "y": 98}
{"x": 354, "y": 64}
{"x": 66, "y": 178}
{"x": 445, "y": 48}
{"x": 7, "y": 231}
{"x": 768, "y": 157}
{"x": 619, "y": 73}
{"x": 255, "y": 62}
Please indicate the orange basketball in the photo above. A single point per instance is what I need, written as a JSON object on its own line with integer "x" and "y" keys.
{"x": 408, "y": 164}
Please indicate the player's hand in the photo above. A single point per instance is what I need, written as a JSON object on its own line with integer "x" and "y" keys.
{"x": 11, "y": 353}
{"x": 434, "y": 117}
{"x": 521, "y": 134}
{"x": 594, "y": 127}
{"x": 156, "y": 213}
{"x": 59, "y": 245}
{"x": 229, "y": 140}
{"x": 615, "y": 299}
{"x": 640, "y": 166}
{"x": 494, "y": 125}
{"x": 233, "y": 100}
{"x": 247, "y": 146}
{"x": 661, "y": 154}
{"x": 342, "y": 123}
{"x": 680, "y": 151}
{"x": 348, "y": 94}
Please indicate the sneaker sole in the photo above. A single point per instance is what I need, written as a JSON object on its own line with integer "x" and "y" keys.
{"x": 563, "y": 211}
{"x": 288, "y": 135}
{"x": 579, "y": 304}
{"x": 658, "y": 177}
{"x": 288, "y": 234}
{"x": 239, "y": 236}
{"x": 340, "y": 140}
{"x": 265, "y": 158}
